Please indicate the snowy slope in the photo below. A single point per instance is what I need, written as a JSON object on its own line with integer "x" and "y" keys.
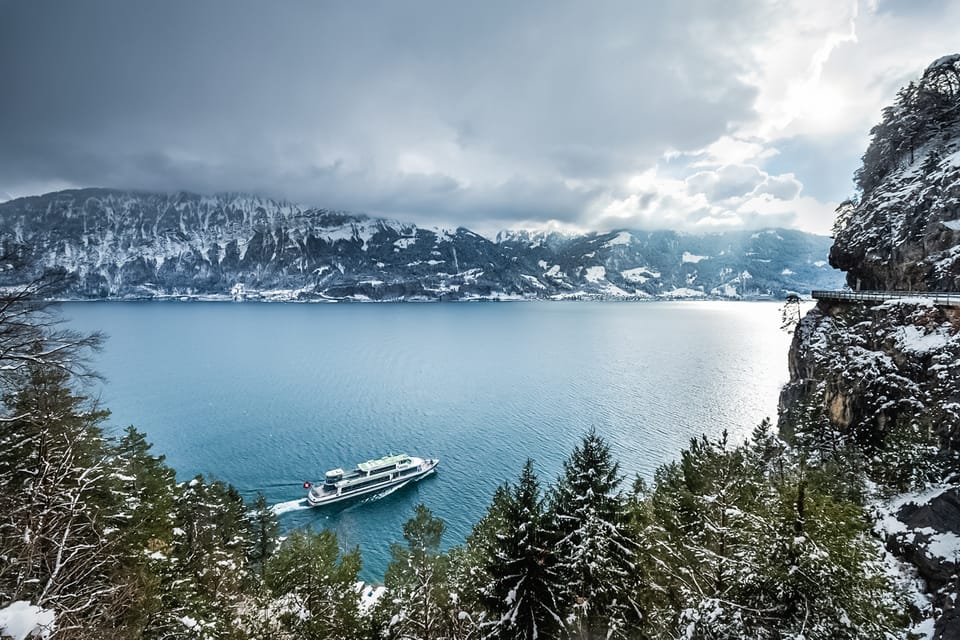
{"x": 130, "y": 245}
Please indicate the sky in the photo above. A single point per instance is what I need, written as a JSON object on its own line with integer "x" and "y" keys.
{"x": 693, "y": 115}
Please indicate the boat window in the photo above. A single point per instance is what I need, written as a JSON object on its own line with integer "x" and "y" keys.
{"x": 361, "y": 485}
{"x": 388, "y": 467}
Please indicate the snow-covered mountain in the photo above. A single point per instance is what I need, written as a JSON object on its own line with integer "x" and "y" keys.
{"x": 121, "y": 244}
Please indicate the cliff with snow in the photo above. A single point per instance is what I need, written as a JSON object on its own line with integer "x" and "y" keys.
{"x": 875, "y": 388}
{"x": 904, "y": 232}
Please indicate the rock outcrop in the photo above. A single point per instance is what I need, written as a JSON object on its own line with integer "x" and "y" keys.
{"x": 904, "y": 232}
{"x": 884, "y": 379}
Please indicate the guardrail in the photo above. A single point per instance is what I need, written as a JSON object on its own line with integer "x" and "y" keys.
{"x": 942, "y": 299}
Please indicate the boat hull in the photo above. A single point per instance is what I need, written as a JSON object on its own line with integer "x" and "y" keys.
{"x": 427, "y": 468}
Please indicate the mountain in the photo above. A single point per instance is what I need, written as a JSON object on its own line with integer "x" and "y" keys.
{"x": 120, "y": 244}
{"x": 876, "y": 388}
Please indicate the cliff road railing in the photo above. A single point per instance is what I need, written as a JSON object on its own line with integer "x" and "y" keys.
{"x": 942, "y": 299}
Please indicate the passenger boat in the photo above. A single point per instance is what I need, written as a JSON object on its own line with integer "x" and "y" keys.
{"x": 369, "y": 477}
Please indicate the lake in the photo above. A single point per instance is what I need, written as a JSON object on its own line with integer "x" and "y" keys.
{"x": 266, "y": 396}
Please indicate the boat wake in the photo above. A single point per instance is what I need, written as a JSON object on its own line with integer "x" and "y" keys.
{"x": 384, "y": 494}
{"x": 291, "y": 505}
{"x": 377, "y": 496}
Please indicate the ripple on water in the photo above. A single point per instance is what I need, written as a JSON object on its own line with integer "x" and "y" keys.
{"x": 267, "y": 396}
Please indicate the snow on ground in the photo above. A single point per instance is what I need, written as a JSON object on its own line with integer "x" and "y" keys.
{"x": 634, "y": 275}
{"x": 682, "y": 292}
{"x": 692, "y": 258}
{"x": 941, "y": 544}
{"x": 639, "y": 274}
{"x": 404, "y": 243}
{"x": 595, "y": 274}
{"x": 614, "y": 291}
{"x": 912, "y": 338}
{"x": 913, "y": 301}
{"x": 952, "y": 224}
{"x": 769, "y": 232}
{"x": 553, "y": 272}
{"x": 369, "y": 596}
{"x": 534, "y": 281}
{"x": 623, "y": 237}
{"x": 727, "y": 291}
{"x": 20, "y": 620}
{"x": 904, "y": 575}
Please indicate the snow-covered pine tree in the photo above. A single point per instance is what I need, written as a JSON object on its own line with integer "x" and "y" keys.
{"x": 748, "y": 545}
{"x": 470, "y": 578}
{"x": 266, "y": 532}
{"x": 204, "y": 568}
{"x": 418, "y": 600}
{"x": 820, "y": 575}
{"x": 707, "y": 537}
{"x": 55, "y": 501}
{"x": 142, "y": 521}
{"x": 597, "y": 557}
{"x": 315, "y": 588}
{"x": 524, "y": 598}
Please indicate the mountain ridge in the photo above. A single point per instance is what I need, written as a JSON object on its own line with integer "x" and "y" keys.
{"x": 119, "y": 244}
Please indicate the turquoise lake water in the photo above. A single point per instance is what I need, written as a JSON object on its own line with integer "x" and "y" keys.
{"x": 266, "y": 396}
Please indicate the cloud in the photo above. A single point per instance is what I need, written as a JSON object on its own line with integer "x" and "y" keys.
{"x": 733, "y": 196}
{"x": 783, "y": 187}
{"x": 482, "y": 115}
{"x": 726, "y": 182}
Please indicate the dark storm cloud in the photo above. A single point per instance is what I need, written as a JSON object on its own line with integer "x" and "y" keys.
{"x": 461, "y": 112}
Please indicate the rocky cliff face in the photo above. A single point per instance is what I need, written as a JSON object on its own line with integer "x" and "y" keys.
{"x": 904, "y": 233}
{"x": 877, "y": 387}
{"x": 884, "y": 377}
{"x": 141, "y": 245}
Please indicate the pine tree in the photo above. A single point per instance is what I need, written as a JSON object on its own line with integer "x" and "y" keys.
{"x": 523, "y": 597}
{"x": 416, "y": 580}
{"x": 146, "y": 488}
{"x": 817, "y": 576}
{"x": 266, "y": 532}
{"x": 708, "y": 533}
{"x": 55, "y": 501}
{"x": 200, "y": 564}
{"x": 597, "y": 563}
{"x": 750, "y": 547}
{"x": 315, "y": 585}
{"x": 470, "y": 567}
